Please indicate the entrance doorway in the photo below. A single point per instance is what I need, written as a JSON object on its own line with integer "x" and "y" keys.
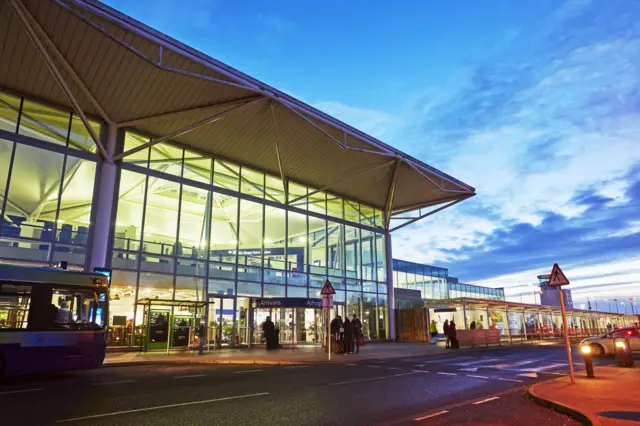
{"x": 221, "y": 312}
{"x": 170, "y": 324}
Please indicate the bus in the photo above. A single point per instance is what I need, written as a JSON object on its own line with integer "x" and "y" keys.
{"x": 51, "y": 320}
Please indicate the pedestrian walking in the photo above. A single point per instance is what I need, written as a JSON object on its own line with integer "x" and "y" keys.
{"x": 348, "y": 336}
{"x": 433, "y": 331}
{"x": 445, "y": 330}
{"x": 473, "y": 325}
{"x": 357, "y": 332}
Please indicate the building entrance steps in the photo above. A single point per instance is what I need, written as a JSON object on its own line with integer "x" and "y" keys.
{"x": 258, "y": 355}
{"x": 611, "y": 398}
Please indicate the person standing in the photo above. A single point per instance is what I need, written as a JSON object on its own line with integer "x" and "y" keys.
{"x": 268, "y": 329}
{"x": 445, "y": 330}
{"x": 357, "y": 332}
{"x": 453, "y": 336}
{"x": 336, "y": 327}
{"x": 348, "y": 336}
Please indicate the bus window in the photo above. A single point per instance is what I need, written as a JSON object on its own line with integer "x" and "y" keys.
{"x": 14, "y": 306}
{"x": 78, "y": 308}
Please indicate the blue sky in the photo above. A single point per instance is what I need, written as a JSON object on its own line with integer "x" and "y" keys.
{"x": 537, "y": 106}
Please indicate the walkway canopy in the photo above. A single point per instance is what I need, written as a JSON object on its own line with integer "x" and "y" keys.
{"x": 91, "y": 58}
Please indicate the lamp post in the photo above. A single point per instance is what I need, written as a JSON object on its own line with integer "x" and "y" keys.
{"x": 609, "y": 304}
{"x": 617, "y": 311}
{"x": 625, "y": 307}
{"x": 633, "y": 302}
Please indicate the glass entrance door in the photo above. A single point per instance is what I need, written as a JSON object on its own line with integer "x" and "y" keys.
{"x": 296, "y": 326}
{"x": 220, "y": 321}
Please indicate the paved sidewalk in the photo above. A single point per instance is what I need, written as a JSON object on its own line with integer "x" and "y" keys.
{"x": 611, "y": 398}
{"x": 301, "y": 355}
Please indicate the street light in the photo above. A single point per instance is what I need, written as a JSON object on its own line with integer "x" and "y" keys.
{"x": 617, "y": 311}
{"x": 633, "y": 302}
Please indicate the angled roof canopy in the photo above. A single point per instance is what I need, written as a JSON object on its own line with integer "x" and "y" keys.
{"x": 89, "y": 57}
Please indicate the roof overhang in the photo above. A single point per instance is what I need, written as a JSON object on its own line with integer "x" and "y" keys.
{"x": 86, "y": 56}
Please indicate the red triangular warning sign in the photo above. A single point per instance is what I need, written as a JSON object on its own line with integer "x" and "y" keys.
{"x": 557, "y": 277}
{"x": 328, "y": 288}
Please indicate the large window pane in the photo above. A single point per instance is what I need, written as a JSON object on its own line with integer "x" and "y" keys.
{"x": 194, "y": 226}
{"x": 317, "y": 246}
{"x": 334, "y": 206}
{"x": 250, "y": 231}
{"x": 318, "y": 202}
{"x": 79, "y": 137}
{"x": 189, "y": 288}
{"x": 197, "y": 167}
{"x": 226, "y": 175}
{"x": 131, "y": 141}
{"x": 369, "y": 316}
{"x": 9, "y": 108}
{"x": 299, "y": 193}
{"x": 252, "y": 182}
{"x": 367, "y": 215}
{"x": 166, "y": 158}
{"x": 336, "y": 248}
{"x": 296, "y": 252}
{"x": 6, "y": 147}
{"x": 352, "y": 252}
{"x": 121, "y": 307}
{"x": 34, "y": 187}
{"x": 274, "y": 189}
{"x": 224, "y": 228}
{"x": 130, "y": 210}
{"x": 161, "y": 217}
{"x": 367, "y": 254}
{"x": 274, "y": 238}
{"x": 43, "y": 122}
{"x": 351, "y": 211}
{"x": 155, "y": 286}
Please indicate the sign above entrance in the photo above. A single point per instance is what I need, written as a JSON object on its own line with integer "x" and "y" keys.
{"x": 288, "y": 302}
{"x": 328, "y": 288}
{"x": 557, "y": 277}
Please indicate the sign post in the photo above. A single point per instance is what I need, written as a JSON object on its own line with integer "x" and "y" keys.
{"x": 558, "y": 279}
{"x": 327, "y": 293}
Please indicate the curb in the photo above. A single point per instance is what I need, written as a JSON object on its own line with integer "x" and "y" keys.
{"x": 566, "y": 409}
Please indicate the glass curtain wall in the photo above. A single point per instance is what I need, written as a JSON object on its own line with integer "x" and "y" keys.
{"x": 182, "y": 235}
{"x": 431, "y": 281}
{"x": 47, "y": 177}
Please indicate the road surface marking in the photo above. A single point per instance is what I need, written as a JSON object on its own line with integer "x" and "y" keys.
{"x": 369, "y": 379}
{"x": 113, "y": 383}
{"x": 352, "y": 364}
{"x": 247, "y": 371}
{"x": 419, "y": 365}
{"x": 296, "y": 366}
{"x": 473, "y": 369}
{"x": 530, "y": 375}
{"x": 447, "y": 374}
{"x": 477, "y": 377}
{"x": 545, "y": 367}
{"x": 509, "y": 380}
{"x": 512, "y": 365}
{"x": 493, "y": 398}
{"x": 428, "y": 416}
{"x": 394, "y": 368}
{"x": 420, "y": 371}
{"x": 476, "y": 362}
{"x": 189, "y": 376}
{"x": 160, "y": 407}
{"x": 373, "y": 366}
{"x": 21, "y": 391}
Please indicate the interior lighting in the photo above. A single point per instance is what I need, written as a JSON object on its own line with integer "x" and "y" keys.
{"x": 268, "y": 241}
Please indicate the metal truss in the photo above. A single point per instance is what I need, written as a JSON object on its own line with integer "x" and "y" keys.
{"x": 415, "y": 219}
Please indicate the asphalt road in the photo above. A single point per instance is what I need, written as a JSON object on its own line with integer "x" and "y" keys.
{"x": 473, "y": 387}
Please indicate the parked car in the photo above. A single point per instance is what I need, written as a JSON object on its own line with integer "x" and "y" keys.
{"x": 603, "y": 345}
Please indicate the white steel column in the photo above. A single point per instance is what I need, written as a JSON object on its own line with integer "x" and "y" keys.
{"x": 104, "y": 204}
{"x": 391, "y": 299}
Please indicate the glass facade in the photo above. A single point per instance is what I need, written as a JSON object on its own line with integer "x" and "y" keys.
{"x": 457, "y": 290}
{"x": 187, "y": 227}
{"x": 431, "y": 281}
{"x": 47, "y": 177}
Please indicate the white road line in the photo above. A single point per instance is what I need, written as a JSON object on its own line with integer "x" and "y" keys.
{"x": 428, "y": 416}
{"x": 420, "y": 371}
{"x": 476, "y": 362}
{"x": 493, "y": 398}
{"x": 545, "y": 367}
{"x": 113, "y": 383}
{"x": 512, "y": 365}
{"x": 373, "y": 366}
{"x": 296, "y": 366}
{"x": 369, "y": 379}
{"x": 189, "y": 376}
{"x": 419, "y": 365}
{"x": 447, "y": 374}
{"x": 476, "y": 376}
{"x": 353, "y": 365}
{"x": 393, "y": 368}
{"x": 509, "y": 380}
{"x": 247, "y": 371}
{"x": 21, "y": 391}
{"x": 160, "y": 407}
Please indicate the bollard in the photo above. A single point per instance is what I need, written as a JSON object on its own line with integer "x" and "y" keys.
{"x": 588, "y": 362}
{"x": 623, "y": 352}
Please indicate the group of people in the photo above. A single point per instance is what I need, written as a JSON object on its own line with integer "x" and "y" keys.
{"x": 449, "y": 330}
{"x": 346, "y": 335}
{"x": 271, "y": 334}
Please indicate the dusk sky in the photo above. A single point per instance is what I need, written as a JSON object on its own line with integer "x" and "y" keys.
{"x": 536, "y": 106}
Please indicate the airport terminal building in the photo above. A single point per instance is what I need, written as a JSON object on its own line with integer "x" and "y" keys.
{"x": 209, "y": 194}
